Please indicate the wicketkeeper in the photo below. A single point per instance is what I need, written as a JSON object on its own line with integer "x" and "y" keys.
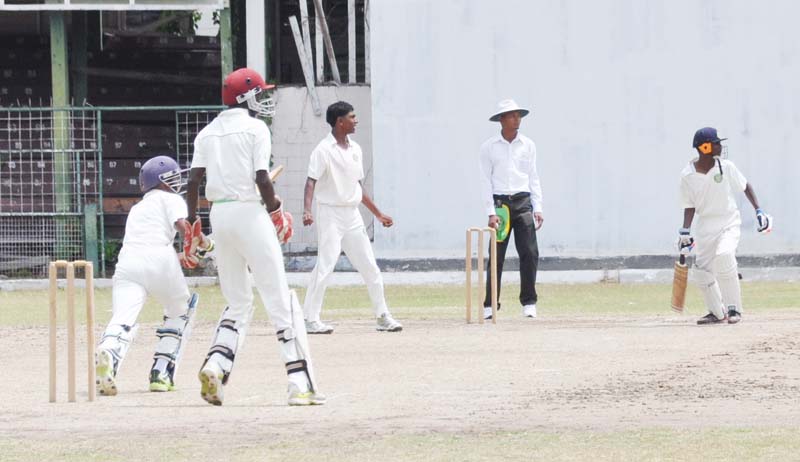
{"x": 148, "y": 265}
{"x": 708, "y": 185}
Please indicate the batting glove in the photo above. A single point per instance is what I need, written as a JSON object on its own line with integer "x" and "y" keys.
{"x": 283, "y": 224}
{"x": 764, "y": 221}
{"x": 685, "y": 241}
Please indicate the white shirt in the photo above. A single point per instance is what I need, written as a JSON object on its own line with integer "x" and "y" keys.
{"x": 151, "y": 222}
{"x": 231, "y": 149}
{"x": 509, "y": 168}
{"x": 714, "y": 202}
{"x": 338, "y": 171}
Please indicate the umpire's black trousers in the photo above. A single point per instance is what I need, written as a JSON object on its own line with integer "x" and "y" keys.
{"x": 523, "y": 226}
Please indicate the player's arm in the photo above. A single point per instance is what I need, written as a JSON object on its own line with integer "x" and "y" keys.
{"x": 308, "y": 199}
{"x": 750, "y": 193}
{"x": 193, "y": 192}
{"x": 385, "y": 220}
{"x": 267, "y": 191}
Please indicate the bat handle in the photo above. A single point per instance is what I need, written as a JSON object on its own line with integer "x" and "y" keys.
{"x": 683, "y": 259}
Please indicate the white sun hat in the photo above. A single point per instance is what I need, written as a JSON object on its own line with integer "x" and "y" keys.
{"x": 507, "y": 105}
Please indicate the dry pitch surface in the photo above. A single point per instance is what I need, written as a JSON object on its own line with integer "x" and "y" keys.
{"x": 621, "y": 379}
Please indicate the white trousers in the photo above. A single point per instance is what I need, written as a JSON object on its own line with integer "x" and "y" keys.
{"x": 144, "y": 271}
{"x": 342, "y": 228}
{"x": 716, "y": 270}
{"x": 244, "y": 237}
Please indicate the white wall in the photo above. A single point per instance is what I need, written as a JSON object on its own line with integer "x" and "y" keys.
{"x": 296, "y": 131}
{"x": 617, "y": 89}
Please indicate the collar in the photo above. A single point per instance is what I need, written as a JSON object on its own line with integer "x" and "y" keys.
{"x": 331, "y": 140}
{"x": 234, "y": 112}
{"x": 499, "y": 138}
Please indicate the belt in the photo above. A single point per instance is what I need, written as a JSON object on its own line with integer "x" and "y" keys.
{"x": 511, "y": 197}
{"x": 224, "y": 201}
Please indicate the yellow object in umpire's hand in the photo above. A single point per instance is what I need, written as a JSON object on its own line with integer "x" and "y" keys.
{"x": 504, "y": 226}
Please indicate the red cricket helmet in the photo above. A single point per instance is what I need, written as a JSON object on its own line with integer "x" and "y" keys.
{"x": 243, "y": 85}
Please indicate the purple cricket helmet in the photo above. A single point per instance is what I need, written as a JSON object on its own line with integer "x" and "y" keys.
{"x": 158, "y": 170}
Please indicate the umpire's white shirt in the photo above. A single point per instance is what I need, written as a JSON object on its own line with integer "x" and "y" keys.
{"x": 509, "y": 168}
{"x": 151, "y": 222}
{"x": 338, "y": 172}
{"x": 714, "y": 202}
{"x": 231, "y": 149}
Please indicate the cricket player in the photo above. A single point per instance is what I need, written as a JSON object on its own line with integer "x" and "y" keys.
{"x": 148, "y": 265}
{"x": 335, "y": 172}
{"x": 708, "y": 184}
{"x": 233, "y": 153}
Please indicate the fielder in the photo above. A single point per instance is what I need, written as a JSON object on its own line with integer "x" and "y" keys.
{"x": 233, "y": 153}
{"x": 708, "y": 185}
{"x": 148, "y": 265}
{"x": 335, "y": 172}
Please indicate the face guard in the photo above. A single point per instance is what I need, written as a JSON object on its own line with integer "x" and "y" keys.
{"x": 258, "y": 101}
{"x": 174, "y": 180}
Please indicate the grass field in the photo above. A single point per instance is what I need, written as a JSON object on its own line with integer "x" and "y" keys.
{"x": 29, "y": 308}
{"x": 606, "y": 373}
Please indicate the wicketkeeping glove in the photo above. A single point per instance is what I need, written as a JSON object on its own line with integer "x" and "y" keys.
{"x": 685, "y": 241}
{"x": 764, "y": 221}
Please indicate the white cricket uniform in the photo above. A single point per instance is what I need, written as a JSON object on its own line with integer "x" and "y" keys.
{"x": 148, "y": 264}
{"x": 717, "y": 220}
{"x": 231, "y": 149}
{"x": 716, "y": 228}
{"x": 338, "y": 172}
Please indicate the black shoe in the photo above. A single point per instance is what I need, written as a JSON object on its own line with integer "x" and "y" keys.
{"x": 734, "y": 316}
{"x": 710, "y": 319}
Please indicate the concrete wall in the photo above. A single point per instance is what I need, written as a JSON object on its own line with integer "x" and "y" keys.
{"x": 617, "y": 89}
{"x": 296, "y": 131}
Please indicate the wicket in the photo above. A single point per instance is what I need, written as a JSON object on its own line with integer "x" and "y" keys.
{"x": 89, "y": 278}
{"x": 492, "y": 274}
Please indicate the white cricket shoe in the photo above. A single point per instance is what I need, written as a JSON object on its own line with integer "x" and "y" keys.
{"x": 487, "y": 312}
{"x": 211, "y": 387}
{"x": 386, "y": 323}
{"x": 305, "y": 398}
{"x": 529, "y": 311}
{"x": 104, "y": 373}
{"x": 318, "y": 327}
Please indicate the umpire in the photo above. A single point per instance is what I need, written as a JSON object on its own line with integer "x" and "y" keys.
{"x": 510, "y": 185}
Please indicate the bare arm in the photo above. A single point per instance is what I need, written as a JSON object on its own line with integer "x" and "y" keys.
{"x": 266, "y": 190}
{"x": 385, "y": 220}
{"x": 688, "y": 217}
{"x": 751, "y": 196}
{"x": 308, "y": 199}
{"x": 193, "y": 192}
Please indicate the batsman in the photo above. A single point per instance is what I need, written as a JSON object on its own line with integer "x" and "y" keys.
{"x": 708, "y": 184}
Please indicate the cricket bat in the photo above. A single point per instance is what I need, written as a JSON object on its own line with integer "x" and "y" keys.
{"x": 679, "y": 282}
{"x": 275, "y": 173}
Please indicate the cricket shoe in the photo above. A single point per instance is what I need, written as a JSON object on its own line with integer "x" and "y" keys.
{"x": 734, "y": 316}
{"x": 529, "y": 311}
{"x": 386, "y": 323}
{"x": 710, "y": 319}
{"x": 318, "y": 327}
{"x": 104, "y": 373}
{"x": 305, "y": 398}
{"x": 160, "y": 381}
{"x": 211, "y": 383}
